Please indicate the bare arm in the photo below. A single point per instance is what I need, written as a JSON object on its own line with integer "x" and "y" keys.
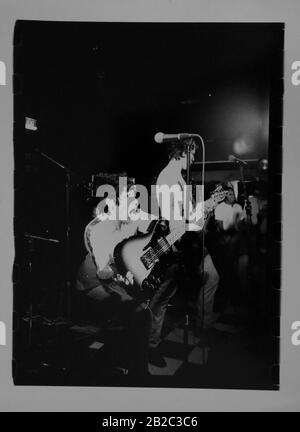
{"x": 101, "y": 245}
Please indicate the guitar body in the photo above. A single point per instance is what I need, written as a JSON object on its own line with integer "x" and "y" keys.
{"x": 142, "y": 254}
{"x": 127, "y": 256}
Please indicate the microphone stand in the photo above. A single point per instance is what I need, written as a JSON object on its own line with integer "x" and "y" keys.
{"x": 188, "y": 147}
{"x": 67, "y": 228}
{"x": 30, "y": 263}
{"x": 246, "y": 198}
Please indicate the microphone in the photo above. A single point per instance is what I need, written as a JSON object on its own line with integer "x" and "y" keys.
{"x": 161, "y": 137}
{"x": 232, "y": 158}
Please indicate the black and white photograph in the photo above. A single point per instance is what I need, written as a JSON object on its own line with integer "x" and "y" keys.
{"x": 147, "y": 206}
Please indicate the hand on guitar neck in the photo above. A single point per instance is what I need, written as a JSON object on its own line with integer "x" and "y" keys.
{"x": 201, "y": 214}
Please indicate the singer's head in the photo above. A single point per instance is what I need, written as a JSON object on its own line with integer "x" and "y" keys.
{"x": 177, "y": 151}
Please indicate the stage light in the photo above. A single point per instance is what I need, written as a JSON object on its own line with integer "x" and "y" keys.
{"x": 243, "y": 145}
{"x": 30, "y": 124}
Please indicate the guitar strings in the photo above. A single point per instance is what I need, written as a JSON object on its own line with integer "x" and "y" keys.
{"x": 159, "y": 249}
{"x": 166, "y": 244}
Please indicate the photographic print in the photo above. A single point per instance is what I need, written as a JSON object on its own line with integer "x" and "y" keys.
{"x": 147, "y": 204}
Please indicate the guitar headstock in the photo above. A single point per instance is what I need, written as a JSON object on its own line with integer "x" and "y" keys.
{"x": 218, "y": 195}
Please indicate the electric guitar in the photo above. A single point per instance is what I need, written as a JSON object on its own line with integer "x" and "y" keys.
{"x": 141, "y": 254}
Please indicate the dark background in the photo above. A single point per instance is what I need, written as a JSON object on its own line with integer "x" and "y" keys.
{"x": 100, "y": 91}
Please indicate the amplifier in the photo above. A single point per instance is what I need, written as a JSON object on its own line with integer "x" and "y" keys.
{"x": 112, "y": 179}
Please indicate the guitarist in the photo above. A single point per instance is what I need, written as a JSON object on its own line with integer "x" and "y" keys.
{"x": 172, "y": 176}
{"x": 98, "y": 280}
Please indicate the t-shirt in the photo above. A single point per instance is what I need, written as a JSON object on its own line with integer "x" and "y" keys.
{"x": 228, "y": 213}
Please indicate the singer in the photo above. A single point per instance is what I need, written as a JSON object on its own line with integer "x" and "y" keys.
{"x": 207, "y": 281}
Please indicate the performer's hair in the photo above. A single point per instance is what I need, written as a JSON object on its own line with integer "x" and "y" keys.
{"x": 177, "y": 149}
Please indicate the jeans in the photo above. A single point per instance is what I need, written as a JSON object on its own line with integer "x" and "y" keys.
{"x": 204, "y": 303}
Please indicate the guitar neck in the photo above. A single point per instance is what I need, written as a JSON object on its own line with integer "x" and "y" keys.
{"x": 165, "y": 243}
{"x": 177, "y": 233}
{"x": 174, "y": 236}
